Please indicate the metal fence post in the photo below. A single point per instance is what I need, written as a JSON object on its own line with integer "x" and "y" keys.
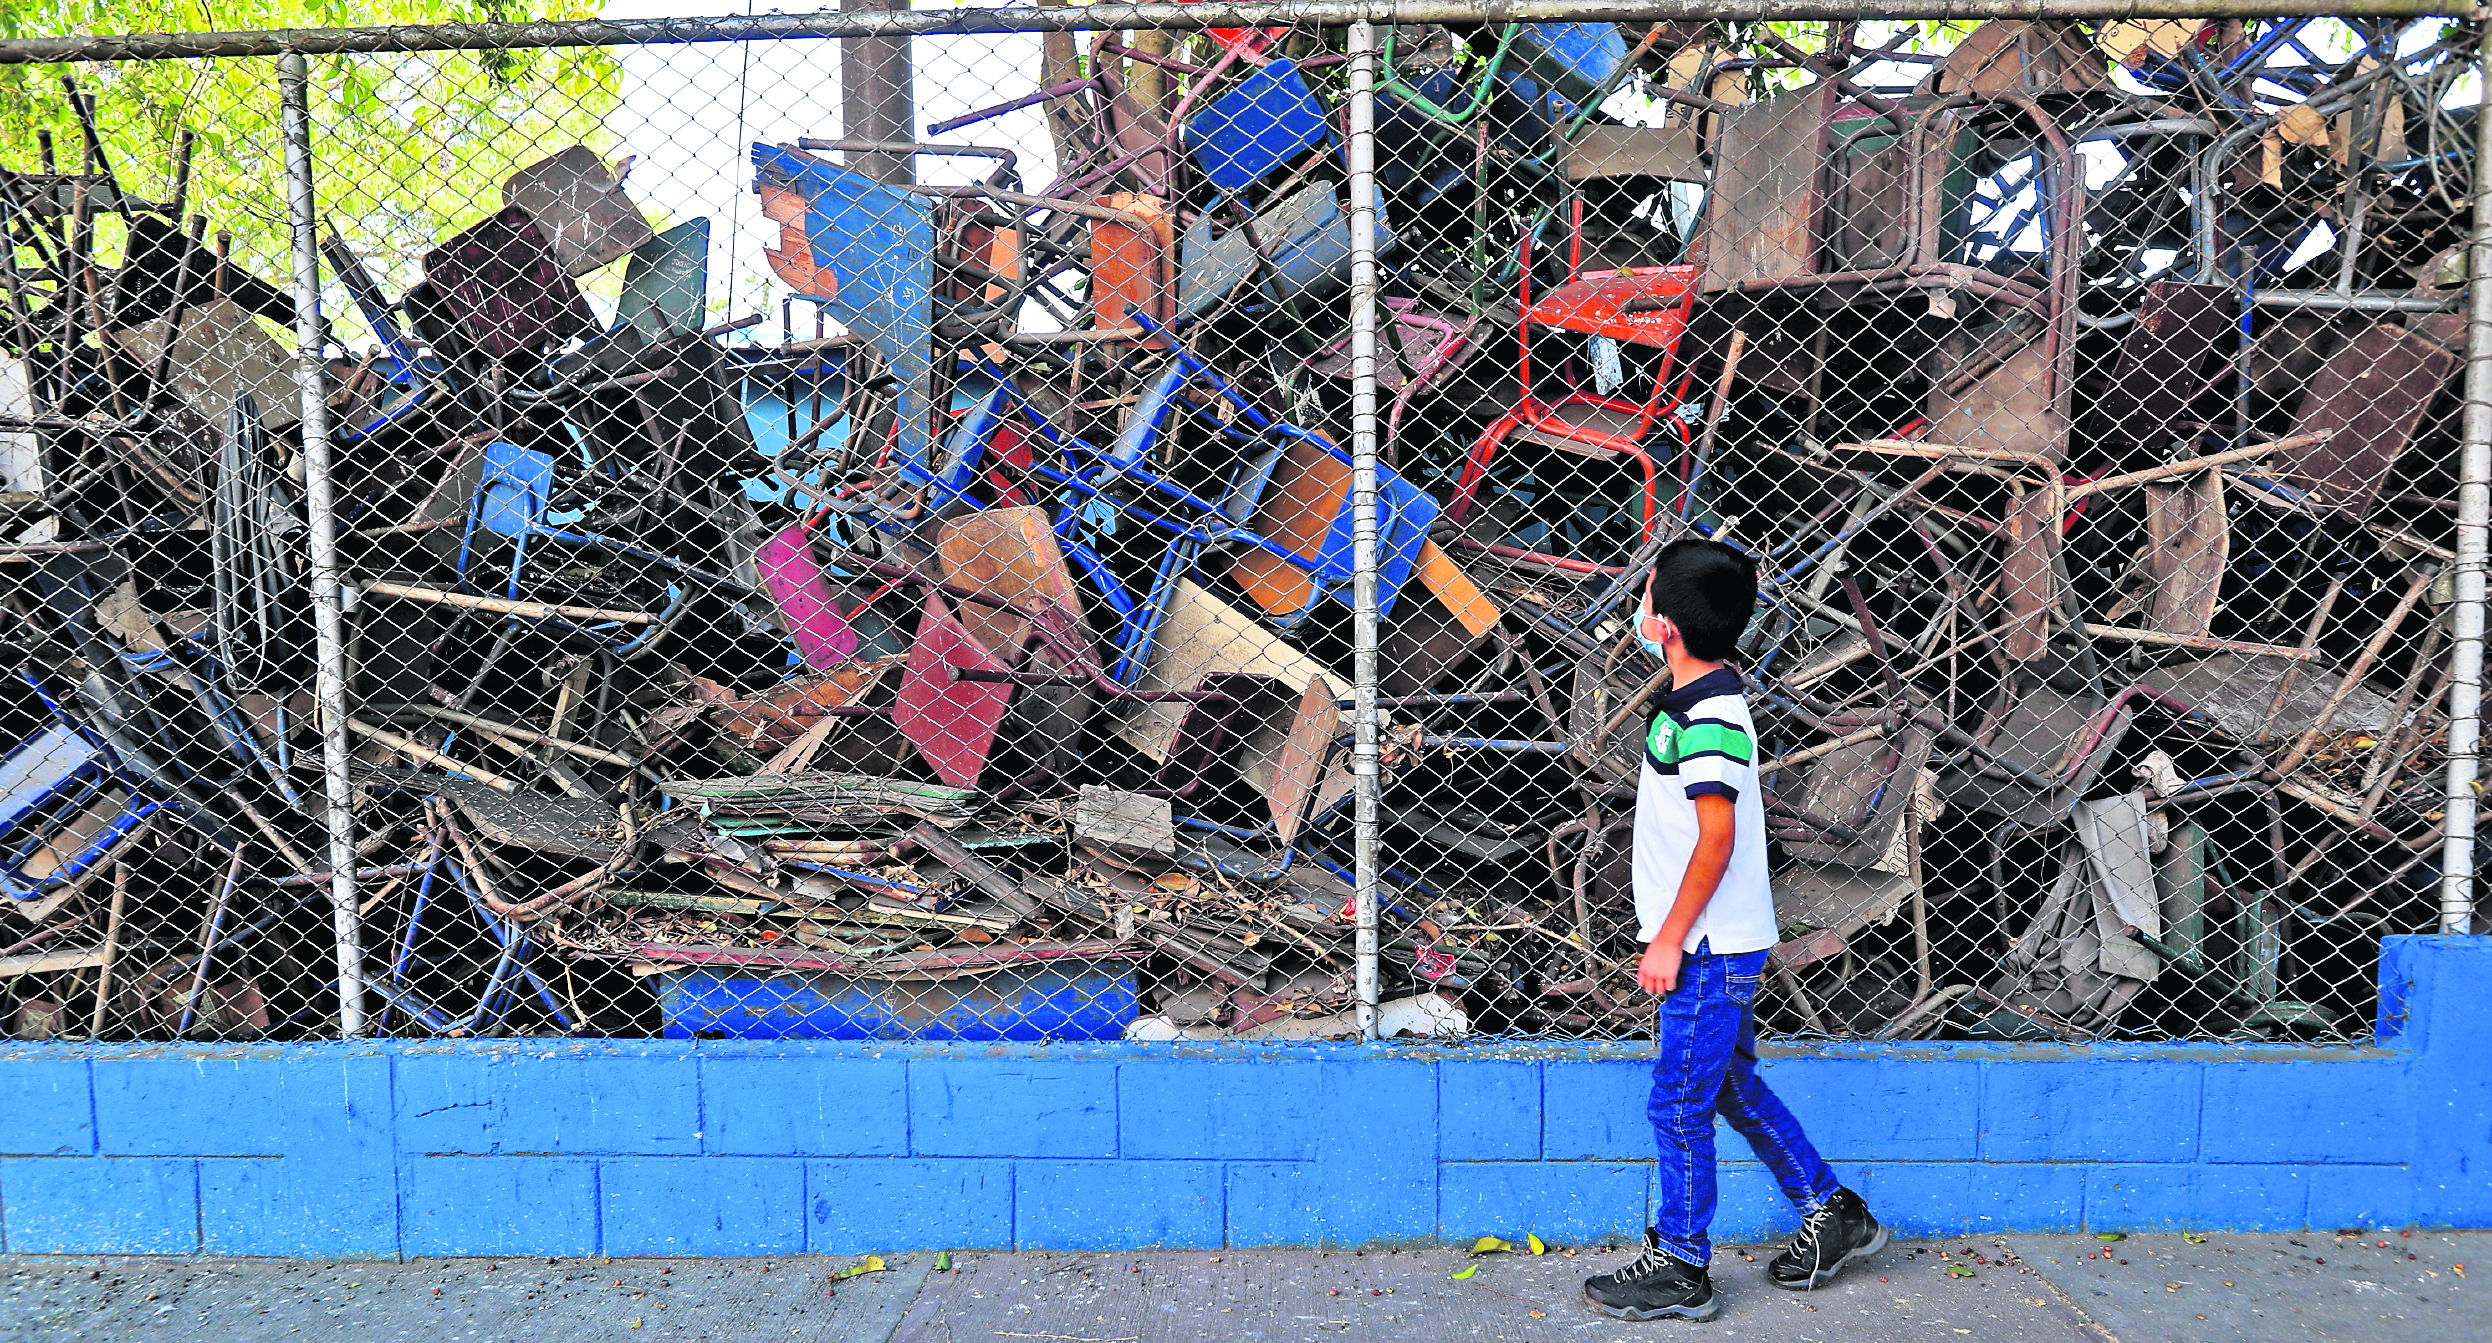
{"x": 2474, "y": 514}
{"x": 293, "y": 82}
{"x": 1365, "y": 763}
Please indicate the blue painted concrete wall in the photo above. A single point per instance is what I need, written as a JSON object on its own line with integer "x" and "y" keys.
{"x": 716, "y": 1148}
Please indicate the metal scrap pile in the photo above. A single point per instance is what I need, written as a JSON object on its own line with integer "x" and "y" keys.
{"x": 977, "y": 669}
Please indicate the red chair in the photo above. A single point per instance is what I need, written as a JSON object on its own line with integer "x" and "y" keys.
{"x": 1639, "y": 305}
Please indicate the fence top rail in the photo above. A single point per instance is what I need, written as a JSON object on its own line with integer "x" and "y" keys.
{"x": 1101, "y": 17}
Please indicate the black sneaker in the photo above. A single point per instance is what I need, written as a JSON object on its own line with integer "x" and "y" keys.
{"x": 1840, "y": 1231}
{"x": 1656, "y": 1286}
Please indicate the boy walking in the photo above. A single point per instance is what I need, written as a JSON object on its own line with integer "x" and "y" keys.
{"x": 1705, "y": 911}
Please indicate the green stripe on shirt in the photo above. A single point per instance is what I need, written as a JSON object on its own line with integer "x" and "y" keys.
{"x": 1700, "y": 738}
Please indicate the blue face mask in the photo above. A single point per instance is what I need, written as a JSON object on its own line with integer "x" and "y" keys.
{"x": 1644, "y": 634}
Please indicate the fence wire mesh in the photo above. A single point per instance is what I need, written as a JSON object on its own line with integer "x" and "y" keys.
{"x": 856, "y": 537}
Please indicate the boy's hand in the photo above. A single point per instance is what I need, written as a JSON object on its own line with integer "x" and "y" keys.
{"x": 1657, "y": 971}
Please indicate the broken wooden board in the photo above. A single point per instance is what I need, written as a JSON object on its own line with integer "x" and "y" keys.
{"x": 1010, "y": 554}
{"x": 779, "y": 715}
{"x": 1202, "y": 635}
{"x": 571, "y": 826}
{"x": 2187, "y": 542}
{"x": 2235, "y": 689}
{"x": 1290, "y": 771}
{"x": 1128, "y": 821}
{"x": 579, "y": 206}
{"x": 1761, "y": 211}
{"x": 220, "y": 353}
{"x": 45, "y": 962}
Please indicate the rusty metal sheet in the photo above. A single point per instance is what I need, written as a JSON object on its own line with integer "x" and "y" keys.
{"x": 2371, "y": 393}
{"x": 2022, "y": 56}
{"x": 1010, "y": 554}
{"x": 1761, "y": 212}
{"x": 1673, "y": 150}
{"x": 2011, "y": 408}
{"x": 2047, "y": 733}
{"x": 2187, "y": 542}
{"x": 2168, "y": 356}
{"x": 578, "y": 202}
{"x": 570, "y": 826}
{"x": 1868, "y": 212}
{"x": 2028, "y": 578}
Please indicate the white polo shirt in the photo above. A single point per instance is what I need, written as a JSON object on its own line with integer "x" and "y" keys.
{"x": 1701, "y": 742}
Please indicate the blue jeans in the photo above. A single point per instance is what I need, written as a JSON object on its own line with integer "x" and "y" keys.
{"x": 1706, "y": 1064}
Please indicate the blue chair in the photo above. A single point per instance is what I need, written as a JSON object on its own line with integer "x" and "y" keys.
{"x": 59, "y": 816}
{"x": 874, "y": 247}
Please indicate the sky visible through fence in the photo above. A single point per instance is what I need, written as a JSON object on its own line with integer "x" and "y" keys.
{"x": 868, "y": 537}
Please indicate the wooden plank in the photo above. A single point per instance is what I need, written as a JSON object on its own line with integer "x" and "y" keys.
{"x": 2187, "y": 542}
{"x": 1011, "y": 554}
{"x": 706, "y": 904}
{"x": 577, "y": 827}
{"x": 1761, "y": 212}
{"x": 1289, "y": 768}
{"x": 1128, "y": 821}
{"x": 1671, "y": 150}
{"x": 1455, "y": 591}
{"x": 973, "y": 869}
{"x": 1202, "y": 635}
{"x": 44, "y": 962}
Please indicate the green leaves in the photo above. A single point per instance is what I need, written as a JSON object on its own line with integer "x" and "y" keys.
{"x": 409, "y": 147}
{"x": 1467, "y": 1271}
{"x": 943, "y": 1262}
{"x": 1491, "y": 1245}
{"x": 872, "y": 1263}
{"x": 1959, "y": 1270}
{"x": 1538, "y": 1245}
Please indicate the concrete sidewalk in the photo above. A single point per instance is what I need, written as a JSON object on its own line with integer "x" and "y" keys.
{"x": 2384, "y": 1285}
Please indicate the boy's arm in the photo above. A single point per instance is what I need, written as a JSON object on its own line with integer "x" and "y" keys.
{"x": 1716, "y": 826}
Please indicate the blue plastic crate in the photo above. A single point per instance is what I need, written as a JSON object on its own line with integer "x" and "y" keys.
{"x": 1270, "y": 118}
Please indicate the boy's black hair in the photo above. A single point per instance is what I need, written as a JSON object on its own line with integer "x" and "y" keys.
{"x": 1708, "y": 590}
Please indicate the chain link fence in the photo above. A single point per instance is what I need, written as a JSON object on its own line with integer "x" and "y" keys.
{"x": 703, "y": 530}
